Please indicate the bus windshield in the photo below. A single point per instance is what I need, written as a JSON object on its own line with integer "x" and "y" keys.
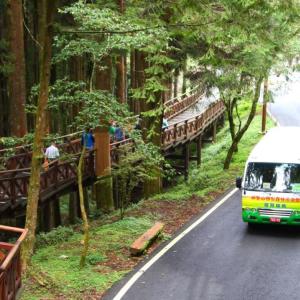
{"x": 273, "y": 177}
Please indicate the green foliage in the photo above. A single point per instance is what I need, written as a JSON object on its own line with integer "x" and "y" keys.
{"x": 95, "y": 104}
{"x": 91, "y": 18}
{"x": 125, "y": 32}
{"x": 137, "y": 163}
{"x": 95, "y": 258}
{"x": 62, "y": 91}
{"x": 242, "y": 43}
{"x": 54, "y": 237}
{"x": 100, "y": 105}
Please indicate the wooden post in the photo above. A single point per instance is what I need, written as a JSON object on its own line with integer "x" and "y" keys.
{"x": 198, "y": 149}
{"x": 103, "y": 186}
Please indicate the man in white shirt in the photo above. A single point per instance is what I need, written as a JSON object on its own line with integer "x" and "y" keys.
{"x": 52, "y": 152}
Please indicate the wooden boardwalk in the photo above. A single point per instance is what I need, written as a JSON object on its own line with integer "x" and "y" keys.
{"x": 188, "y": 118}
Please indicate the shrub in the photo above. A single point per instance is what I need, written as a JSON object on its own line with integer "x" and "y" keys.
{"x": 54, "y": 237}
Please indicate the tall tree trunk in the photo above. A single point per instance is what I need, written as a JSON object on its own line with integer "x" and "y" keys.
{"x": 175, "y": 83}
{"x": 31, "y": 18}
{"x": 167, "y": 95}
{"x": 121, "y": 67}
{"x": 4, "y": 101}
{"x": 17, "y": 86}
{"x": 151, "y": 124}
{"x": 238, "y": 136}
{"x": 264, "y": 109}
{"x": 184, "y": 70}
{"x": 77, "y": 69}
{"x": 86, "y": 233}
{"x": 121, "y": 78}
{"x": 45, "y": 40}
{"x": 104, "y": 184}
{"x": 132, "y": 102}
{"x": 140, "y": 76}
{"x": 103, "y": 78}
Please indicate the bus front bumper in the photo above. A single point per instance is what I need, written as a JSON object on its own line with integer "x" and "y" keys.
{"x": 253, "y": 216}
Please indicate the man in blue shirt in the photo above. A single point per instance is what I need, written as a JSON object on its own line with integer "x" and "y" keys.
{"x": 119, "y": 136}
{"x": 88, "y": 139}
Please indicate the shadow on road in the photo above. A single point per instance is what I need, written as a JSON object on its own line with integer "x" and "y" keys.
{"x": 279, "y": 231}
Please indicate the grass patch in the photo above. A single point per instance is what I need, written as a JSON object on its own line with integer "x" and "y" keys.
{"x": 57, "y": 265}
{"x": 56, "y": 273}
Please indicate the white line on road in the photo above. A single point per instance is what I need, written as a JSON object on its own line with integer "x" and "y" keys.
{"x": 141, "y": 271}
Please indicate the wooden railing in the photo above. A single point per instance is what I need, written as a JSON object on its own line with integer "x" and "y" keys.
{"x": 14, "y": 183}
{"x": 20, "y": 149}
{"x": 10, "y": 267}
{"x": 185, "y": 130}
{"x": 23, "y": 160}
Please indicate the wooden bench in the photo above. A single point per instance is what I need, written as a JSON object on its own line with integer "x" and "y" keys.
{"x": 145, "y": 240}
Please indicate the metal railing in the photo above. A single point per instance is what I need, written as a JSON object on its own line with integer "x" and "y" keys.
{"x": 10, "y": 267}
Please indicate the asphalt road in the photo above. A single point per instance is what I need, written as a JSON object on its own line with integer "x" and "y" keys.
{"x": 221, "y": 258}
{"x": 286, "y": 106}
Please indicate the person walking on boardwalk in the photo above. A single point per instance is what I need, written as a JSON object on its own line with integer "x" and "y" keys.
{"x": 119, "y": 135}
{"x": 52, "y": 152}
{"x": 88, "y": 139}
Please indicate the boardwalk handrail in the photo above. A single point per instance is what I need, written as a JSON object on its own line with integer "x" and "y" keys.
{"x": 27, "y": 147}
{"x": 15, "y": 187}
{"x": 10, "y": 268}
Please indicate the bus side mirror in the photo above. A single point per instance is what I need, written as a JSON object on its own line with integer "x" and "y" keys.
{"x": 238, "y": 182}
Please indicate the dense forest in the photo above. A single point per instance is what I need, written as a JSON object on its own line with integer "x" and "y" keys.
{"x": 134, "y": 50}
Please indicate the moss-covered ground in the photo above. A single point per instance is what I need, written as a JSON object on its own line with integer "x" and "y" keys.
{"x": 55, "y": 273}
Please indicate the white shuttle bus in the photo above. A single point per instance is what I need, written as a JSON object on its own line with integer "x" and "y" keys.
{"x": 271, "y": 182}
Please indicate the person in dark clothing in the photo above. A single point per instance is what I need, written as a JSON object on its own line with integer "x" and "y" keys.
{"x": 87, "y": 139}
{"x": 119, "y": 135}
